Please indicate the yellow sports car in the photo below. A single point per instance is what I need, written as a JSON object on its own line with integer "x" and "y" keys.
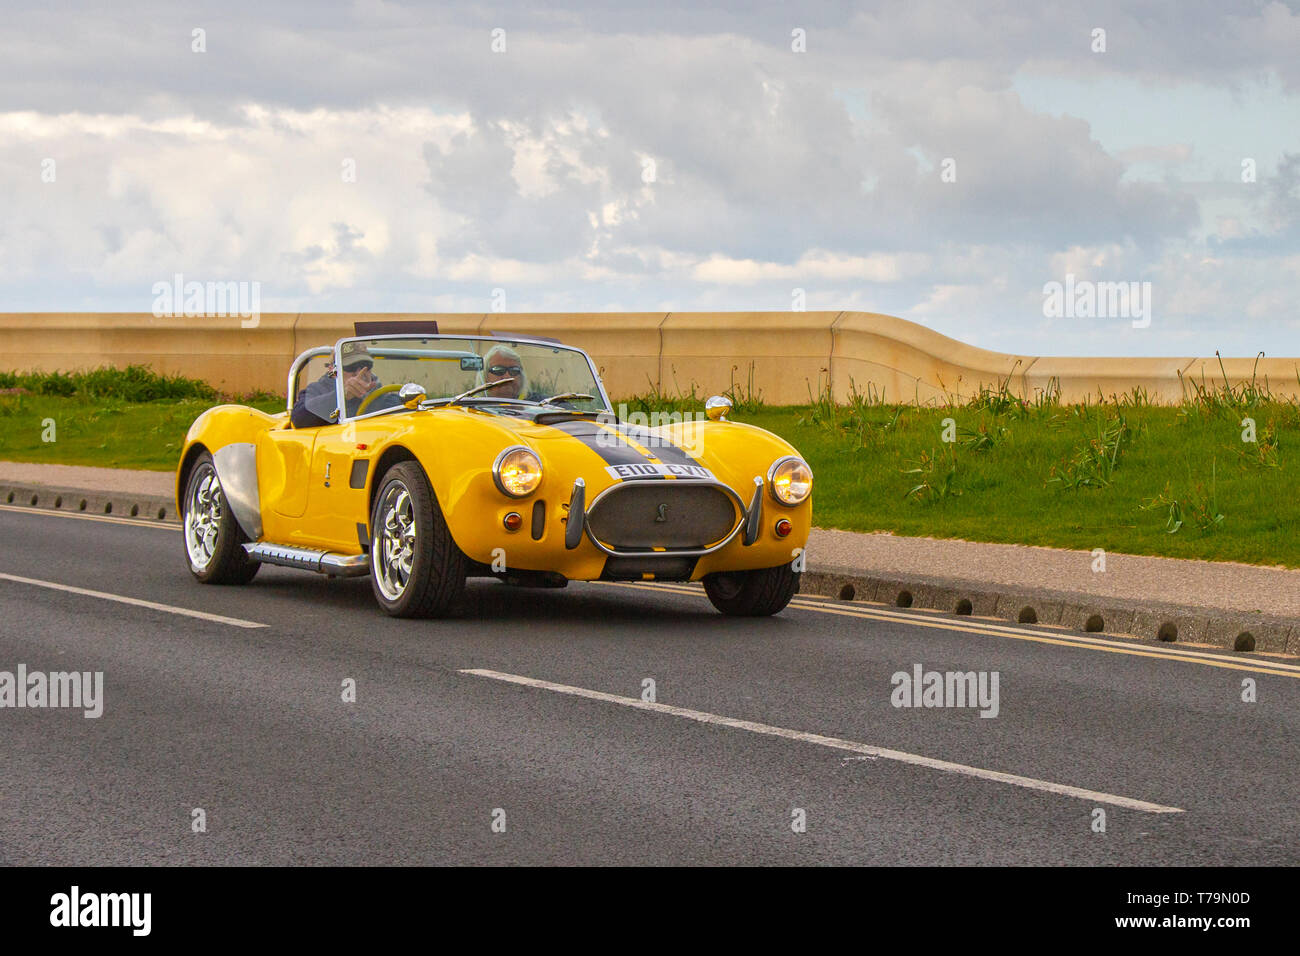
{"x": 423, "y": 459}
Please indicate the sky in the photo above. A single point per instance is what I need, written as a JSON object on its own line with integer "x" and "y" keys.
{"x": 946, "y": 162}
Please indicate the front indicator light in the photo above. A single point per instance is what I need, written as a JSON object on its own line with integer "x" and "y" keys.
{"x": 783, "y": 527}
{"x": 790, "y": 479}
{"x": 517, "y": 472}
{"x": 513, "y": 521}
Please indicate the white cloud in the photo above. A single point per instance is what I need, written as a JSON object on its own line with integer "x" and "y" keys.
{"x": 816, "y": 264}
{"x": 524, "y": 170}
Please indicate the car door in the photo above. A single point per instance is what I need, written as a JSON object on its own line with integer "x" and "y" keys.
{"x": 337, "y": 506}
{"x": 284, "y": 455}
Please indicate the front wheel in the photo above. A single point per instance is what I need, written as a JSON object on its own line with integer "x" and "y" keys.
{"x": 213, "y": 542}
{"x": 752, "y": 593}
{"x": 416, "y": 569}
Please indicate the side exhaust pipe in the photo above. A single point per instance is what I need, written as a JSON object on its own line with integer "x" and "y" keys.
{"x": 309, "y": 559}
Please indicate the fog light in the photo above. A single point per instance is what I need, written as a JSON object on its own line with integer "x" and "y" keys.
{"x": 513, "y": 521}
{"x": 783, "y": 527}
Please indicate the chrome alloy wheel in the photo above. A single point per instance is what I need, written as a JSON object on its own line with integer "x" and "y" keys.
{"x": 396, "y": 541}
{"x": 203, "y": 515}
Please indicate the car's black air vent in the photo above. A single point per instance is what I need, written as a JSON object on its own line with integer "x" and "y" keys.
{"x": 676, "y": 515}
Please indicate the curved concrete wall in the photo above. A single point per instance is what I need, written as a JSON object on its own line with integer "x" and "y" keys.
{"x": 790, "y": 355}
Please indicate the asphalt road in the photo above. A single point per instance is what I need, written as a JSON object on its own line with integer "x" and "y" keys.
{"x": 763, "y": 718}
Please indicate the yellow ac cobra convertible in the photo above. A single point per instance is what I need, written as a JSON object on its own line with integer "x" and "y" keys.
{"x": 422, "y": 459}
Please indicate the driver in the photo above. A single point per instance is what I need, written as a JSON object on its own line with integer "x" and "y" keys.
{"x": 317, "y": 403}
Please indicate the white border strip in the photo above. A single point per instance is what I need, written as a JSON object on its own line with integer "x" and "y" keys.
{"x": 835, "y": 743}
{"x": 83, "y": 516}
{"x": 1046, "y": 633}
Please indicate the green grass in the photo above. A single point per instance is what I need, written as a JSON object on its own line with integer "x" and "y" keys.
{"x": 1120, "y": 474}
{"x": 108, "y": 417}
{"x": 1139, "y": 479}
{"x": 135, "y": 383}
{"x": 1005, "y": 493}
{"x": 1116, "y": 473}
{"x": 108, "y": 432}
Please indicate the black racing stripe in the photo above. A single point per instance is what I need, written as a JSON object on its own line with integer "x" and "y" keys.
{"x": 658, "y": 446}
{"x": 603, "y": 443}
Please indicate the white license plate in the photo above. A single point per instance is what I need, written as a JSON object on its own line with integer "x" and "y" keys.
{"x": 651, "y": 470}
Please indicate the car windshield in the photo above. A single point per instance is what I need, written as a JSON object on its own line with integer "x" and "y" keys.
{"x": 447, "y": 367}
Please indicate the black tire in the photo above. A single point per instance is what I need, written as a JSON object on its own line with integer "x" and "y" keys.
{"x": 437, "y": 567}
{"x": 752, "y": 593}
{"x": 213, "y": 541}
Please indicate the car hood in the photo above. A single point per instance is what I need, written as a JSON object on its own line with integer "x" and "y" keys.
{"x": 732, "y": 452}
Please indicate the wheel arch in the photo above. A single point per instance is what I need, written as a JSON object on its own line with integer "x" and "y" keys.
{"x": 386, "y": 460}
{"x": 216, "y": 428}
{"x": 183, "y": 472}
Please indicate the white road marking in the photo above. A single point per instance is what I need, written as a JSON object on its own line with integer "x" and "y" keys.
{"x": 835, "y": 743}
{"x": 136, "y": 602}
{"x": 108, "y": 519}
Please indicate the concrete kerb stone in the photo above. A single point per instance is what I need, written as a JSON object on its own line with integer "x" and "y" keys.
{"x": 1159, "y": 624}
{"x": 985, "y": 603}
{"x": 1083, "y": 616}
{"x": 1141, "y": 619}
{"x": 1269, "y": 637}
{"x": 1011, "y": 604}
{"x": 83, "y": 501}
{"x": 859, "y": 589}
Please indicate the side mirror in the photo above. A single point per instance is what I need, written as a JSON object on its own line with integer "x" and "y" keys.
{"x": 717, "y": 408}
{"x": 411, "y": 394}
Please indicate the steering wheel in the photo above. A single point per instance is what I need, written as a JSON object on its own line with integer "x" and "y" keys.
{"x": 381, "y": 390}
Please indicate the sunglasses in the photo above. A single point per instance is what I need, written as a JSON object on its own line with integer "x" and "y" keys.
{"x": 354, "y": 369}
{"x": 504, "y": 369}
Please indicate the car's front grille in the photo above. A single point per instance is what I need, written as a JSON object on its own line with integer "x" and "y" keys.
{"x": 677, "y": 515}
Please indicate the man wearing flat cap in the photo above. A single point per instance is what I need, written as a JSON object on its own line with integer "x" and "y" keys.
{"x": 317, "y": 404}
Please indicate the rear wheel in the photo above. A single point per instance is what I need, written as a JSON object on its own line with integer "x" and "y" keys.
{"x": 416, "y": 569}
{"x": 752, "y": 593}
{"x": 213, "y": 542}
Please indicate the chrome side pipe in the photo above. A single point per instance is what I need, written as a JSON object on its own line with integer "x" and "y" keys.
{"x": 309, "y": 559}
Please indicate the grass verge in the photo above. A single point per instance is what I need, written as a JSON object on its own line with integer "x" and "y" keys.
{"x": 112, "y": 418}
{"x": 1121, "y": 474}
{"x": 1211, "y": 478}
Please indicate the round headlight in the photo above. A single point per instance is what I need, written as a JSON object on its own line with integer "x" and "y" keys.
{"x": 517, "y": 472}
{"x": 790, "y": 480}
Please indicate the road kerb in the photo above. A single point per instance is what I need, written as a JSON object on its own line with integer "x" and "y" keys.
{"x": 1134, "y": 618}
{"x": 1074, "y": 610}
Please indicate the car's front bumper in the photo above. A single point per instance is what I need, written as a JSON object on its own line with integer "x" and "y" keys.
{"x": 575, "y": 538}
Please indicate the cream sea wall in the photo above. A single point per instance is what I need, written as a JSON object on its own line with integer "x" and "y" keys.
{"x": 785, "y": 356}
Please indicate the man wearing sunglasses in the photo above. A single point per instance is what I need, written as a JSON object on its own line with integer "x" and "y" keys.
{"x": 316, "y": 404}
{"x": 501, "y": 363}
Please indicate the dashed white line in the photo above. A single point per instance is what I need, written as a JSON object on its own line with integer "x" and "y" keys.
{"x": 835, "y": 743}
{"x": 136, "y": 602}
